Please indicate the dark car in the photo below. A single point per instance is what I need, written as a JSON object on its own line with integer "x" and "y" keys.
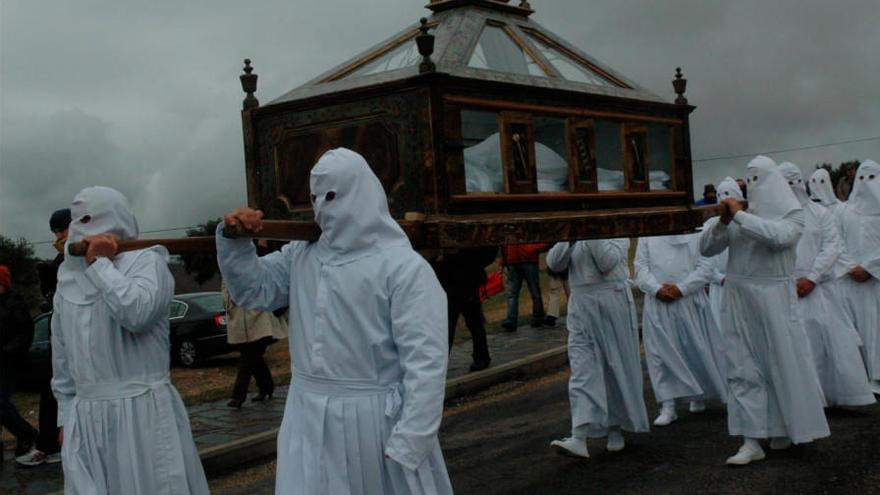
{"x": 39, "y": 361}
{"x": 198, "y": 327}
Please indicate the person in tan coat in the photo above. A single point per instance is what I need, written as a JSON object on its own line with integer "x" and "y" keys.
{"x": 252, "y": 332}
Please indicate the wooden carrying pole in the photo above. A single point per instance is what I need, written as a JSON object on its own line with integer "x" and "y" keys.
{"x": 275, "y": 230}
{"x": 284, "y": 230}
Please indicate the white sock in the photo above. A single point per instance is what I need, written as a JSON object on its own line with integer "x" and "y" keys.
{"x": 669, "y": 405}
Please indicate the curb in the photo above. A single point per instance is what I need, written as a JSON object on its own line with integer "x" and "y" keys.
{"x": 261, "y": 445}
{"x": 515, "y": 370}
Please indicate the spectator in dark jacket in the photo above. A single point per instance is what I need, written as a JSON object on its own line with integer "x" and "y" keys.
{"x": 47, "y": 449}
{"x": 16, "y": 334}
{"x": 710, "y": 196}
{"x": 461, "y": 273}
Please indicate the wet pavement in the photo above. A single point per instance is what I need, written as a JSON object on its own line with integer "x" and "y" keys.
{"x": 213, "y": 423}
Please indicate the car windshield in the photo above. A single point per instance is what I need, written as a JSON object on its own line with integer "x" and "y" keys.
{"x": 212, "y": 303}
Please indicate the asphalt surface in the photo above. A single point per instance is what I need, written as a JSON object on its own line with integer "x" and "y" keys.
{"x": 498, "y": 443}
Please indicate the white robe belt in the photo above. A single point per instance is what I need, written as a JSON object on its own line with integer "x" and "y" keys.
{"x": 587, "y": 288}
{"x": 337, "y": 387}
{"x": 758, "y": 280}
{"x": 120, "y": 390}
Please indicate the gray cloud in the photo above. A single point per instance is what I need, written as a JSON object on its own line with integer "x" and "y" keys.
{"x": 143, "y": 96}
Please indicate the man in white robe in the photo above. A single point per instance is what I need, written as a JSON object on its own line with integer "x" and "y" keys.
{"x": 367, "y": 340}
{"x": 773, "y": 389}
{"x": 860, "y": 227}
{"x": 605, "y": 388}
{"x": 678, "y": 328}
{"x": 125, "y": 429}
{"x": 834, "y": 342}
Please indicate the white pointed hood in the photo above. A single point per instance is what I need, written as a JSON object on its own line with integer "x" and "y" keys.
{"x": 865, "y": 197}
{"x": 351, "y": 208}
{"x": 95, "y": 210}
{"x": 821, "y": 188}
{"x": 792, "y": 174}
{"x": 770, "y": 197}
{"x": 728, "y": 188}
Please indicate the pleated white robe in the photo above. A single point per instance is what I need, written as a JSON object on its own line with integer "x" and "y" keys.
{"x": 682, "y": 341}
{"x": 773, "y": 389}
{"x": 861, "y": 237}
{"x": 368, "y": 355}
{"x": 834, "y": 342}
{"x": 126, "y": 430}
{"x": 605, "y": 388}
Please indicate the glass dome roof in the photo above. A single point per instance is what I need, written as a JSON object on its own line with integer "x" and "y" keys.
{"x": 488, "y": 40}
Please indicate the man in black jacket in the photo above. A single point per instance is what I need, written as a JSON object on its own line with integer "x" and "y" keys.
{"x": 48, "y": 449}
{"x": 461, "y": 273}
{"x": 16, "y": 334}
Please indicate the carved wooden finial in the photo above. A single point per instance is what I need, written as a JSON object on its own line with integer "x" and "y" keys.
{"x": 249, "y": 86}
{"x": 425, "y": 42}
{"x": 680, "y": 86}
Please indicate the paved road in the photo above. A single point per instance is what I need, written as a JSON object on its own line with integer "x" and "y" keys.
{"x": 498, "y": 444}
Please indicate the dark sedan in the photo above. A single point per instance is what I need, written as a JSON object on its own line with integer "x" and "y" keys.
{"x": 39, "y": 363}
{"x": 198, "y": 331}
{"x": 198, "y": 327}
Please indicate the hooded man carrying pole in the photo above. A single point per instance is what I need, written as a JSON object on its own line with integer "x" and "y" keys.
{"x": 834, "y": 342}
{"x": 125, "y": 429}
{"x": 367, "y": 340}
{"x": 773, "y": 390}
{"x": 860, "y": 226}
{"x": 605, "y": 388}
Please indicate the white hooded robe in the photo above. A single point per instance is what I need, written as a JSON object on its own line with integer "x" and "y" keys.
{"x": 126, "y": 430}
{"x": 822, "y": 191}
{"x": 605, "y": 388}
{"x": 681, "y": 338}
{"x": 773, "y": 389}
{"x": 860, "y": 227}
{"x": 368, "y": 342}
{"x": 834, "y": 342}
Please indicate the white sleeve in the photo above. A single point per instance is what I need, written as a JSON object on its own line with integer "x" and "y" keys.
{"x": 646, "y": 280}
{"x": 778, "y": 234}
{"x": 559, "y": 256}
{"x": 697, "y": 280}
{"x": 253, "y": 282}
{"x": 830, "y": 250}
{"x": 608, "y": 253}
{"x": 419, "y": 329}
{"x": 63, "y": 386}
{"x": 715, "y": 238}
{"x": 871, "y": 259}
{"x": 139, "y": 298}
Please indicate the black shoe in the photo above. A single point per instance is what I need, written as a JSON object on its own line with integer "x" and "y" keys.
{"x": 538, "y": 322}
{"x": 480, "y": 365}
{"x": 261, "y": 397}
{"x": 235, "y": 403}
{"x": 509, "y": 326}
{"x": 550, "y": 321}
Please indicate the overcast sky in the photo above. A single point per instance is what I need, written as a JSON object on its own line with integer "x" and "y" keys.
{"x": 144, "y": 96}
